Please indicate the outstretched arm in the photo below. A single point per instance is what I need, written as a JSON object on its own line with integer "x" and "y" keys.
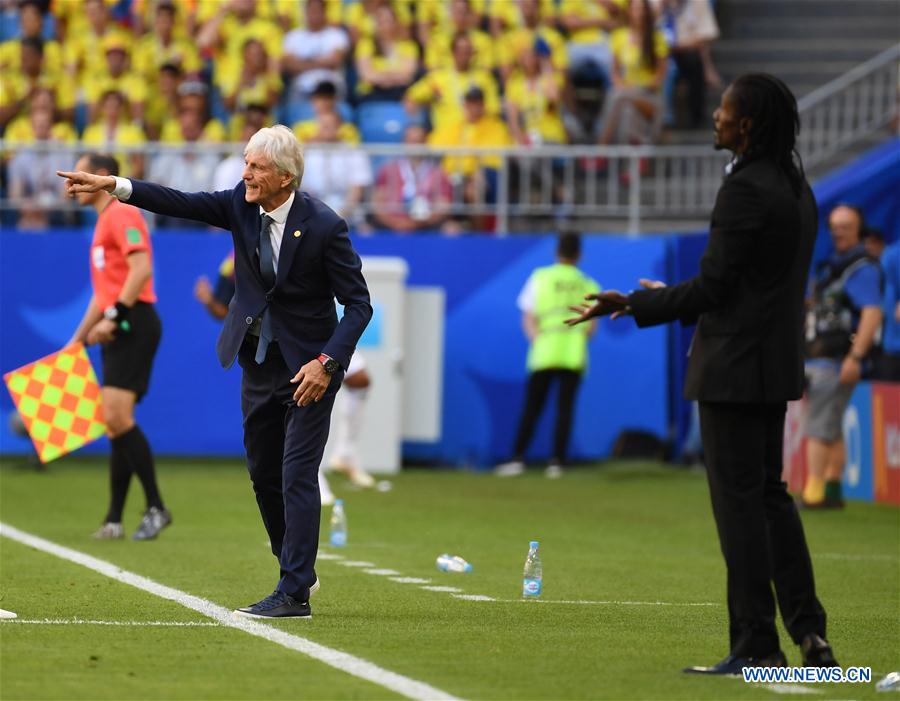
{"x": 209, "y": 207}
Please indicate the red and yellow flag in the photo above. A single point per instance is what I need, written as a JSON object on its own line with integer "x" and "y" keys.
{"x": 58, "y": 398}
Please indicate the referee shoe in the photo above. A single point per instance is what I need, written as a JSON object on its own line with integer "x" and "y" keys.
{"x": 154, "y": 521}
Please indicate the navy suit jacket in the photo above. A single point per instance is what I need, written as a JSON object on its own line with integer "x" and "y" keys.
{"x": 314, "y": 268}
{"x": 748, "y": 300}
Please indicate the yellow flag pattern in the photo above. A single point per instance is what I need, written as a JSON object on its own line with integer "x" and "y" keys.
{"x": 58, "y": 398}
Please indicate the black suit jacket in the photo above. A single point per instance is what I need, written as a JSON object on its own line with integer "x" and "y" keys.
{"x": 314, "y": 267}
{"x": 748, "y": 300}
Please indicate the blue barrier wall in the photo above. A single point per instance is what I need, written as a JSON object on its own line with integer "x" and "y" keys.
{"x": 193, "y": 406}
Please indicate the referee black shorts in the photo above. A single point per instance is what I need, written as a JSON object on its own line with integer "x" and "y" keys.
{"x": 128, "y": 358}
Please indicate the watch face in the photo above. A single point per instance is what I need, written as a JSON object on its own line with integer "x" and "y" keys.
{"x": 111, "y": 313}
{"x": 331, "y": 366}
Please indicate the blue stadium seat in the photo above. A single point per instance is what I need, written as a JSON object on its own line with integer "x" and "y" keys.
{"x": 381, "y": 122}
{"x": 292, "y": 111}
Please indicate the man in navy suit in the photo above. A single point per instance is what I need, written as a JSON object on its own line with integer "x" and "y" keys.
{"x": 293, "y": 257}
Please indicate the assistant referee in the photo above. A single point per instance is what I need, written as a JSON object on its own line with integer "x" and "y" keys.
{"x": 122, "y": 319}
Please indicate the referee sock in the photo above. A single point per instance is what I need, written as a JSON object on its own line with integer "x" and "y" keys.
{"x": 833, "y": 490}
{"x": 119, "y": 478}
{"x": 141, "y": 459}
{"x": 814, "y": 491}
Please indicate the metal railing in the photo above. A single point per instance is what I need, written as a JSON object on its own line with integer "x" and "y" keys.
{"x": 849, "y": 108}
{"x": 575, "y": 187}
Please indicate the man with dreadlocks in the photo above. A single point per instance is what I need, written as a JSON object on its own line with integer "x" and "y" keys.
{"x": 746, "y": 362}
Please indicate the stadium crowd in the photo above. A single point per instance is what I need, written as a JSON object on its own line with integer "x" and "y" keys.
{"x": 119, "y": 74}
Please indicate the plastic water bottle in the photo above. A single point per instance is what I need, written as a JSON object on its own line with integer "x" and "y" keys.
{"x": 338, "y": 524}
{"x": 452, "y": 563}
{"x": 890, "y": 683}
{"x": 531, "y": 585}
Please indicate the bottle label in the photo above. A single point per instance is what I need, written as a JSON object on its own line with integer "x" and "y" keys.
{"x": 531, "y": 587}
{"x": 339, "y": 540}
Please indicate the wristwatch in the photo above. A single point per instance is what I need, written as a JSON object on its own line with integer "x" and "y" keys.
{"x": 118, "y": 313}
{"x": 330, "y": 364}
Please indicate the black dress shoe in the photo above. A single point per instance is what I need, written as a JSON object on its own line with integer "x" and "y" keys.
{"x": 817, "y": 652}
{"x": 733, "y": 665}
{"x": 277, "y": 605}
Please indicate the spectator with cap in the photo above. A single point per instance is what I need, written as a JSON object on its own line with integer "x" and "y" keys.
{"x": 314, "y": 54}
{"x": 633, "y": 110}
{"x": 386, "y": 62}
{"x": 192, "y": 95}
{"x": 84, "y": 27}
{"x": 324, "y": 104}
{"x": 112, "y": 130}
{"x": 475, "y": 175}
{"x": 443, "y": 89}
{"x": 17, "y": 89}
{"x": 117, "y": 75}
{"x": 873, "y": 242}
{"x": 412, "y": 193}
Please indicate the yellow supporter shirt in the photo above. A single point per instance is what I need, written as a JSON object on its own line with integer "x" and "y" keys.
{"x": 439, "y": 52}
{"x": 11, "y": 57}
{"x": 487, "y": 131}
{"x": 83, "y": 52}
{"x": 255, "y": 94}
{"x": 19, "y": 132}
{"x": 436, "y": 13}
{"x": 127, "y": 134}
{"x": 150, "y": 54}
{"x": 360, "y": 18}
{"x": 15, "y": 86}
{"x": 513, "y": 42}
{"x": 404, "y": 51}
{"x": 307, "y": 130}
{"x": 588, "y": 9}
{"x": 131, "y": 85}
{"x": 444, "y": 89}
{"x": 509, "y": 15}
{"x": 628, "y": 54}
{"x": 70, "y": 13}
{"x": 229, "y": 58}
{"x": 539, "y": 115}
{"x": 213, "y": 131}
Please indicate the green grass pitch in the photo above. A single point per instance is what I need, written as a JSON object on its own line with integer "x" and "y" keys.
{"x": 635, "y": 539}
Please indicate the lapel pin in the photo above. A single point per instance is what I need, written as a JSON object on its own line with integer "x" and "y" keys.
{"x": 297, "y": 234}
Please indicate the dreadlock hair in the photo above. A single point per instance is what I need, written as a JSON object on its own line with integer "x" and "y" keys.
{"x": 775, "y": 122}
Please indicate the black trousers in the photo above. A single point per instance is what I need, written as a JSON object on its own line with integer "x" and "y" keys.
{"x": 690, "y": 70}
{"x": 539, "y": 383}
{"x": 759, "y": 528}
{"x": 284, "y": 444}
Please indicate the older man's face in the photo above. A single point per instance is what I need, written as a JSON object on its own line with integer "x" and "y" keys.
{"x": 265, "y": 183}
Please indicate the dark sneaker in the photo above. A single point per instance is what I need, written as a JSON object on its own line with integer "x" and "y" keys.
{"x": 732, "y": 665}
{"x": 817, "y": 652}
{"x": 153, "y": 522}
{"x": 109, "y": 531}
{"x": 277, "y": 605}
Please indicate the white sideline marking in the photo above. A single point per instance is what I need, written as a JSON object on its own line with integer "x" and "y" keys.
{"x": 329, "y": 556}
{"x": 845, "y": 556}
{"x": 85, "y": 622}
{"x": 618, "y": 603}
{"x": 449, "y": 590}
{"x": 345, "y": 662}
{"x": 382, "y": 572}
{"x": 356, "y": 563}
{"x": 783, "y": 688}
{"x": 409, "y": 580}
{"x": 473, "y": 597}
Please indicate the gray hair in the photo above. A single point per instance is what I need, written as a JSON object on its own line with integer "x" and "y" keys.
{"x": 280, "y": 146}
